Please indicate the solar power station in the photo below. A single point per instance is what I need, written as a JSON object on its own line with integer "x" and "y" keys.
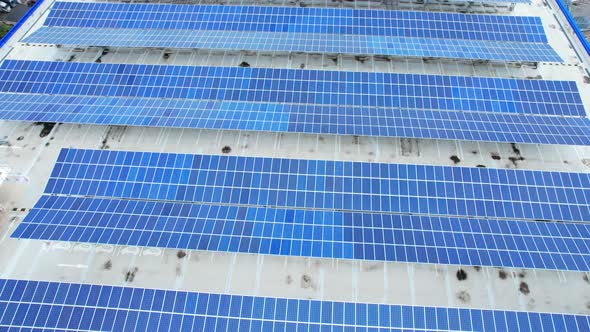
{"x": 365, "y": 165}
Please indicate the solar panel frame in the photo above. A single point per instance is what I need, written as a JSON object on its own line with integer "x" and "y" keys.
{"x": 310, "y": 233}
{"x": 69, "y": 306}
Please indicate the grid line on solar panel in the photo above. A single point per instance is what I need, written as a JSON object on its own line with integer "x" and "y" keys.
{"x": 323, "y": 30}
{"x": 293, "y": 86}
{"x": 297, "y": 118}
{"x": 319, "y": 184}
{"x": 94, "y": 307}
{"x": 297, "y": 42}
{"x": 308, "y": 233}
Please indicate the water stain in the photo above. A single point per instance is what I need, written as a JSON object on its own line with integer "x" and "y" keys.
{"x": 306, "y": 281}
{"x": 107, "y": 265}
{"x": 464, "y": 297}
{"x": 130, "y": 275}
{"x": 47, "y": 128}
{"x": 524, "y": 288}
{"x": 461, "y": 275}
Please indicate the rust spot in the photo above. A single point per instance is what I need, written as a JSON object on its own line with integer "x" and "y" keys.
{"x": 585, "y": 278}
{"x": 226, "y": 149}
{"x": 522, "y": 274}
{"x": 107, "y": 265}
{"x": 480, "y": 166}
{"x": 455, "y": 159}
{"x": 477, "y": 268}
{"x": 181, "y": 254}
{"x": 244, "y": 64}
{"x": 524, "y": 288}
{"x": 496, "y": 156}
{"x": 20, "y": 138}
{"x": 502, "y": 274}
{"x": 289, "y": 279}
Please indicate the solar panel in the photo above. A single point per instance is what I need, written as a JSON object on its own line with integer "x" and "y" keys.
{"x": 319, "y": 184}
{"x": 55, "y": 305}
{"x": 310, "y": 233}
{"x": 294, "y": 29}
{"x": 296, "y": 19}
{"x": 290, "y": 118}
{"x": 319, "y": 87}
{"x": 299, "y": 101}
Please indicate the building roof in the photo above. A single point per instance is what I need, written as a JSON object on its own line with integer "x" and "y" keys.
{"x": 34, "y": 149}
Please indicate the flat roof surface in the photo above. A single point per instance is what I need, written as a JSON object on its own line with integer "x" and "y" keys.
{"x": 32, "y": 149}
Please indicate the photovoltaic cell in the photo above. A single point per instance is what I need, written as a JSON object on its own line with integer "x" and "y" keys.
{"x": 309, "y": 233}
{"x": 299, "y": 101}
{"x": 293, "y": 29}
{"x": 65, "y": 306}
{"x": 319, "y": 184}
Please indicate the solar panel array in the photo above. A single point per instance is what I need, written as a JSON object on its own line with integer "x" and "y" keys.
{"x": 291, "y": 207}
{"x": 316, "y": 209}
{"x": 310, "y": 233}
{"x": 64, "y": 306}
{"x": 299, "y": 101}
{"x": 295, "y": 29}
{"x": 266, "y": 85}
{"x": 319, "y": 184}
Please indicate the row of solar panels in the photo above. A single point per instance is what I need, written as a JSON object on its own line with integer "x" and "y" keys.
{"x": 332, "y": 209}
{"x": 295, "y": 100}
{"x": 283, "y": 29}
{"x": 43, "y": 305}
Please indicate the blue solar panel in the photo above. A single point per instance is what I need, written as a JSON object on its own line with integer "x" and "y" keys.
{"x": 299, "y": 101}
{"x": 323, "y": 30}
{"x": 358, "y": 186}
{"x": 74, "y": 307}
{"x": 339, "y": 21}
{"x": 310, "y": 87}
{"x": 309, "y": 233}
{"x": 291, "y": 118}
